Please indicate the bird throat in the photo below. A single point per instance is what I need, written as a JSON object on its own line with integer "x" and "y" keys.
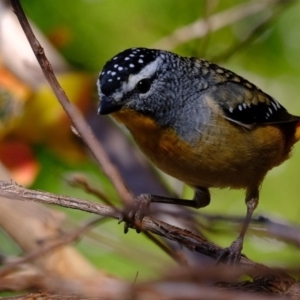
{"x": 159, "y": 143}
{"x": 142, "y": 127}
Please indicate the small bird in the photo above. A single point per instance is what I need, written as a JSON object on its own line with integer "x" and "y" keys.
{"x": 199, "y": 123}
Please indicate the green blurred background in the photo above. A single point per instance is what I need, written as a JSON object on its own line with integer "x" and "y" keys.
{"x": 89, "y": 32}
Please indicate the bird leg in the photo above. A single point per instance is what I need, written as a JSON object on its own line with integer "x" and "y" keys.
{"x": 232, "y": 254}
{"x": 136, "y": 213}
{"x": 201, "y": 199}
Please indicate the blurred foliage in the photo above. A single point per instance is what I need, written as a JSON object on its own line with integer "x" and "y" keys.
{"x": 89, "y": 32}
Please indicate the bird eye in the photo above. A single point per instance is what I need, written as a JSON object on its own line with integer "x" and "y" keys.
{"x": 144, "y": 85}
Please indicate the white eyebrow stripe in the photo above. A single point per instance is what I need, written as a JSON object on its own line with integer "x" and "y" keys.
{"x": 146, "y": 72}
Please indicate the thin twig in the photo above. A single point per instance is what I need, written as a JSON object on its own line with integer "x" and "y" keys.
{"x": 78, "y": 121}
{"x": 79, "y": 180}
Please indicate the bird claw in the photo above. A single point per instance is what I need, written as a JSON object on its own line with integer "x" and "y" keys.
{"x": 133, "y": 215}
{"x": 232, "y": 254}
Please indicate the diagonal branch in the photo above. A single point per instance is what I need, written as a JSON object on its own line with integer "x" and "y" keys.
{"x": 77, "y": 119}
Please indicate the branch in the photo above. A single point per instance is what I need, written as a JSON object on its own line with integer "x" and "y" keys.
{"x": 185, "y": 238}
{"x": 77, "y": 119}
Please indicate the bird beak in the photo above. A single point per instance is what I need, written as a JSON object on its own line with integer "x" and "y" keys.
{"x": 108, "y": 105}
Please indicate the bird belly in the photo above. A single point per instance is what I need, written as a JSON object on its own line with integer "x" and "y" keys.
{"x": 235, "y": 158}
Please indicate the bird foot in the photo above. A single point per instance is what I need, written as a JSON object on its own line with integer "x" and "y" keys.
{"x": 133, "y": 215}
{"x": 232, "y": 254}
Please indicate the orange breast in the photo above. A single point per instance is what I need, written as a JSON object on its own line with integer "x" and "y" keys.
{"x": 156, "y": 142}
{"x": 160, "y": 144}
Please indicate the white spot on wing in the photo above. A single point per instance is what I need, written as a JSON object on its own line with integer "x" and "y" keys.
{"x": 274, "y": 105}
{"x": 276, "y": 102}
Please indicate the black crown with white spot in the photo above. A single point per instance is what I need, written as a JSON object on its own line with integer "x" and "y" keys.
{"x": 118, "y": 69}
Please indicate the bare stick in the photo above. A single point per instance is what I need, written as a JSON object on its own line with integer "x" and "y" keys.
{"x": 79, "y": 180}
{"x": 78, "y": 121}
{"x": 13, "y": 191}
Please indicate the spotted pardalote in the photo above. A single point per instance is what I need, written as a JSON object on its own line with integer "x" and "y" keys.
{"x": 199, "y": 123}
